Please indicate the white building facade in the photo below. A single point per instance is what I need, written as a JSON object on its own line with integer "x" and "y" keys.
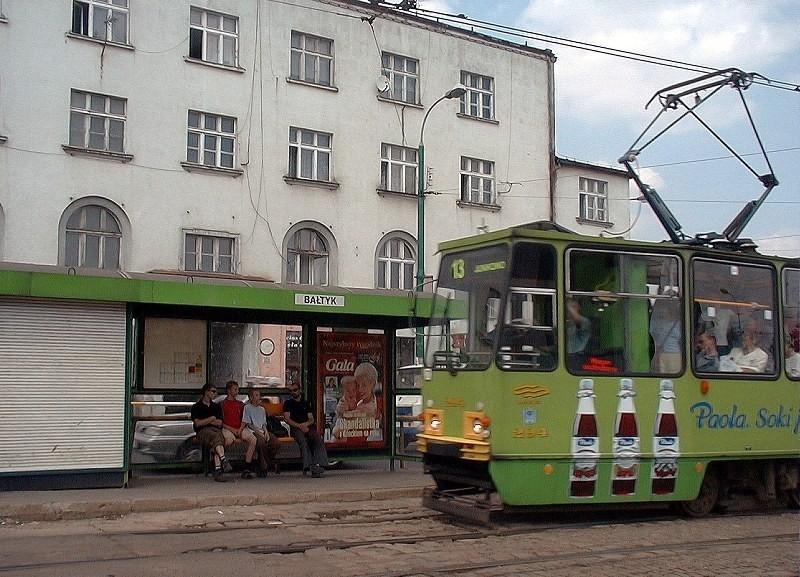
{"x": 266, "y": 139}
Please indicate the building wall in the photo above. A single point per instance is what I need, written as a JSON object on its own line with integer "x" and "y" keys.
{"x": 567, "y": 198}
{"x": 42, "y": 62}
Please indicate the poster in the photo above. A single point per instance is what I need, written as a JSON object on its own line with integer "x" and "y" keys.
{"x": 352, "y": 372}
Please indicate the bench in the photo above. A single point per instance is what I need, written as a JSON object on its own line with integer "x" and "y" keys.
{"x": 289, "y": 452}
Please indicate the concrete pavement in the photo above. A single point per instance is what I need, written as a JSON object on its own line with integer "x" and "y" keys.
{"x": 149, "y": 491}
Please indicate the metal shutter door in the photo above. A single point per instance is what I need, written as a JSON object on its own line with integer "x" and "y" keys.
{"x": 62, "y": 385}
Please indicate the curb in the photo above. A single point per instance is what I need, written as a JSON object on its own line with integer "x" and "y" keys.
{"x": 75, "y": 510}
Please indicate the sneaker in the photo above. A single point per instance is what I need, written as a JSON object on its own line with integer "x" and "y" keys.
{"x": 248, "y": 474}
{"x": 316, "y": 471}
{"x": 218, "y": 476}
{"x": 276, "y": 468}
{"x": 261, "y": 473}
{"x": 226, "y": 465}
{"x": 306, "y": 470}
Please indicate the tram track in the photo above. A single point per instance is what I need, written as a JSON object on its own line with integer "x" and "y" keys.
{"x": 439, "y": 544}
{"x": 628, "y": 552}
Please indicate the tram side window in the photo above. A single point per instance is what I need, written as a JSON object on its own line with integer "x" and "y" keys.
{"x": 734, "y": 318}
{"x": 791, "y": 322}
{"x": 613, "y": 300}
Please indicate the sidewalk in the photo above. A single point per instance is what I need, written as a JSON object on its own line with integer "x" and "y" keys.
{"x": 164, "y": 491}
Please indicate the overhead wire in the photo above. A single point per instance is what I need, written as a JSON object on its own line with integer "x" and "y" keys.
{"x": 461, "y": 20}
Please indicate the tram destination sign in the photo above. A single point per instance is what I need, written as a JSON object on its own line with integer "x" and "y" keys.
{"x": 319, "y": 300}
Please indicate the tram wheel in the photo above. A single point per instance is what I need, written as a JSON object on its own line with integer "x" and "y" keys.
{"x": 707, "y": 500}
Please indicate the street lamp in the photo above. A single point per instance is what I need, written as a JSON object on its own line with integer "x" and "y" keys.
{"x": 456, "y": 92}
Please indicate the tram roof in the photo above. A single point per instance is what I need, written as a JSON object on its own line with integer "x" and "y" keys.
{"x": 546, "y": 230}
{"x": 181, "y": 289}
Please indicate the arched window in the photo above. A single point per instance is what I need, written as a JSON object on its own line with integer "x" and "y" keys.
{"x": 396, "y": 261}
{"x": 307, "y": 258}
{"x": 92, "y": 237}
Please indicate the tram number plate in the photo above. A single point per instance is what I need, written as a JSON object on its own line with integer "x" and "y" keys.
{"x": 530, "y": 432}
{"x": 444, "y": 449}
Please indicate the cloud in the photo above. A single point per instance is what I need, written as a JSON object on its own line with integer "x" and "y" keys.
{"x": 593, "y": 87}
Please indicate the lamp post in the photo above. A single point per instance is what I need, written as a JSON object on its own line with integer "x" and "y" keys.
{"x": 456, "y": 92}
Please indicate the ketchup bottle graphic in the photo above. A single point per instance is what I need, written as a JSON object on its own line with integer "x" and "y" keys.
{"x": 665, "y": 442}
{"x": 625, "y": 447}
{"x": 585, "y": 444}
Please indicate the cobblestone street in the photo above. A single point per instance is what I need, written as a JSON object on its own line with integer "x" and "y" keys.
{"x": 399, "y": 538}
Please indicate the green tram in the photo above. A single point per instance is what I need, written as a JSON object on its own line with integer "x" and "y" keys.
{"x": 562, "y": 369}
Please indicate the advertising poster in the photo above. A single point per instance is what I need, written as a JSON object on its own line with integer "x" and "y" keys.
{"x": 352, "y": 372}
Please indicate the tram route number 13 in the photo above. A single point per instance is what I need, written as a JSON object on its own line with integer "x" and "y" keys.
{"x": 458, "y": 268}
{"x": 530, "y": 432}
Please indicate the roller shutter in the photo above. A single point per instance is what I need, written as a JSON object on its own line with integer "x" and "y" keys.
{"x": 62, "y": 385}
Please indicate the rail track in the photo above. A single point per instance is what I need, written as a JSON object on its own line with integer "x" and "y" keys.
{"x": 400, "y": 538}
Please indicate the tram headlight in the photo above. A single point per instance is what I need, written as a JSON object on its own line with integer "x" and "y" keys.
{"x": 476, "y": 425}
{"x": 433, "y": 422}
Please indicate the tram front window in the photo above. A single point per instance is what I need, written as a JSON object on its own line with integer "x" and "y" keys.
{"x": 488, "y": 309}
{"x": 466, "y": 308}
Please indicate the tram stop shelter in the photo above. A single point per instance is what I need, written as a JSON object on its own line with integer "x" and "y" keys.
{"x": 99, "y": 369}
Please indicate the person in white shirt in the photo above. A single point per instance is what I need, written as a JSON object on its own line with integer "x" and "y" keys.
{"x": 749, "y": 358}
{"x": 267, "y": 444}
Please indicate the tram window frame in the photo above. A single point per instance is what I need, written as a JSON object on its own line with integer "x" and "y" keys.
{"x": 527, "y": 341}
{"x": 790, "y": 285}
{"x": 613, "y": 288}
{"x": 714, "y": 291}
{"x": 470, "y": 307}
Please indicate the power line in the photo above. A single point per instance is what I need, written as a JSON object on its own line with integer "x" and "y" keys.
{"x": 461, "y": 20}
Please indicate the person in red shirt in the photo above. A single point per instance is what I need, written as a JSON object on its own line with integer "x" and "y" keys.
{"x": 233, "y": 427}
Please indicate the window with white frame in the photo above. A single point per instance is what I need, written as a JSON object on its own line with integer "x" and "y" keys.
{"x": 396, "y": 263}
{"x": 307, "y": 258}
{"x": 92, "y": 238}
{"x": 311, "y": 59}
{"x": 309, "y": 154}
{"x": 593, "y": 199}
{"x": 209, "y": 253}
{"x": 213, "y": 37}
{"x": 105, "y": 20}
{"x": 403, "y": 75}
{"x": 399, "y": 169}
{"x": 211, "y": 140}
{"x": 478, "y": 101}
{"x": 477, "y": 181}
{"x": 97, "y": 121}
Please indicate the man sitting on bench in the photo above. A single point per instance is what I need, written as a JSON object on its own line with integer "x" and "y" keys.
{"x": 207, "y": 424}
{"x": 267, "y": 444}
{"x": 233, "y": 428}
{"x": 298, "y": 415}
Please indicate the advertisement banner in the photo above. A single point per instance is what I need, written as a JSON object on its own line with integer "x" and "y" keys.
{"x": 352, "y": 372}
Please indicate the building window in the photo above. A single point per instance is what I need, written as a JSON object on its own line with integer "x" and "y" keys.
{"x": 307, "y": 258}
{"x": 396, "y": 263}
{"x": 92, "y": 238}
{"x": 213, "y": 37}
{"x": 312, "y": 59}
{"x": 477, "y": 181}
{"x": 478, "y": 101}
{"x": 403, "y": 75}
{"x": 309, "y": 154}
{"x": 101, "y": 19}
{"x": 593, "y": 198}
{"x": 399, "y": 169}
{"x": 209, "y": 253}
{"x": 211, "y": 140}
{"x": 96, "y": 122}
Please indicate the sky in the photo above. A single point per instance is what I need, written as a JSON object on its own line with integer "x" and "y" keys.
{"x": 600, "y": 101}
